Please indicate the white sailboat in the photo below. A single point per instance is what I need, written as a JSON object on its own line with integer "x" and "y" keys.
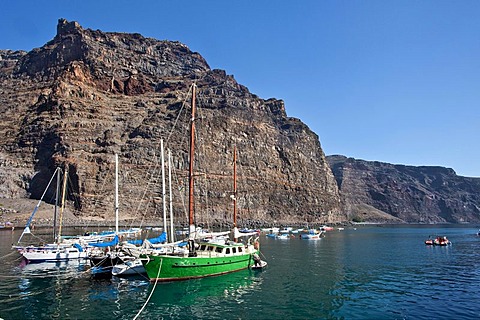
{"x": 158, "y": 245}
{"x": 106, "y": 255}
{"x": 57, "y": 251}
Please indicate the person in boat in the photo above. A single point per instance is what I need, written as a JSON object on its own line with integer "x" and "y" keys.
{"x": 257, "y": 260}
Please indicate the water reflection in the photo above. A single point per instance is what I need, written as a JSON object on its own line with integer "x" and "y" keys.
{"x": 52, "y": 269}
{"x": 232, "y": 285}
{"x": 211, "y": 293}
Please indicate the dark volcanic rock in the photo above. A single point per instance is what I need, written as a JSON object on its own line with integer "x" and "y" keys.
{"x": 87, "y": 95}
{"x": 424, "y": 194}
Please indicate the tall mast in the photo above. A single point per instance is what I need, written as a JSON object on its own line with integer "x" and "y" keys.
{"x": 164, "y": 194}
{"x": 191, "y": 208}
{"x": 234, "y": 186}
{"x": 57, "y": 195}
{"x": 235, "y": 229}
{"x": 116, "y": 194}
{"x": 170, "y": 192}
{"x": 62, "y": 208}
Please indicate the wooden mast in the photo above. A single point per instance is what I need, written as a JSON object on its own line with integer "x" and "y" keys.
{"x": 234, "y": 198}
{"x": 57, "y": 199}
{"x": 191, "y": 203}
{"x": 62, "y": 207}
{"x": 234, "y": 186}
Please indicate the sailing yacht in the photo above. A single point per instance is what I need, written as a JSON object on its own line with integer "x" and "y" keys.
{"x": 203, "y": 258}
{"x": 106, "y": 255}
{"x": 58, "y": 251}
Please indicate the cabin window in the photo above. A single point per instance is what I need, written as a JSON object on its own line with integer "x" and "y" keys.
{"x": 202, "y": 247}
{"x": 209, "y": 248}
{"x": 227, "y": 251}
{"x": 234, "y": 250}
{"x": 219, "y": 250}
{"x": 240, "y": 249}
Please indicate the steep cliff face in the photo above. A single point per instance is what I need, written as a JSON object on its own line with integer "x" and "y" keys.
{"x": 87, "y": 95}
{"x": 386, "y": 192}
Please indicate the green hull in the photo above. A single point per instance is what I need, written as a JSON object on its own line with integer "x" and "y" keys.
{"x": 173, "y": 268}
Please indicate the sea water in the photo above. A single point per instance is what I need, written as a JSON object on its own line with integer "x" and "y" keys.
{"x": 368, "y": 272}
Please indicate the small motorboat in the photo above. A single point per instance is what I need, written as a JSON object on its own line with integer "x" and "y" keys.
{"x": 279, "y": 235}
{"x": 438, "y": 241}
{"x": 131, "y": 267}
{"x": 326, "y": 228}
{"x": 313, "y": 235}
{"x": 259, "y": 266}
{"x": 258, "y": 263}
{"x": 286, "y": 230}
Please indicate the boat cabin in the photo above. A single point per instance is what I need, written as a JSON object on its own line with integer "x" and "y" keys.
{"x": 214, "y": 249}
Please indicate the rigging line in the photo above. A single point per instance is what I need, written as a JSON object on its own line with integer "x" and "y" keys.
{"x": 199, "y": 138}
{"x": 182, "y": 194}
{"x": 37, "y": 206}
{"x": 8, "y": 254}
{"x": 179, "y": 113}
{"x": 183, "y": 139}
{"x": 152, "y": 174}
{"x": 156, "y": 165}
{"x": 42, "y": 240}
{"x": 147, "y": 185}
{"x": 96, "y": 201}
{"x": 151, "y": 293}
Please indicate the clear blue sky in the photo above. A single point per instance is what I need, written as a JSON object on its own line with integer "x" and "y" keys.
{"x": 392, "y": 81}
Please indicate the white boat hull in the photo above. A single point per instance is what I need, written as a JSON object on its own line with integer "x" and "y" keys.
{"x": 60, "y": 254}
{"x": 130, "y": 268}
{"x": 260, "y": 266}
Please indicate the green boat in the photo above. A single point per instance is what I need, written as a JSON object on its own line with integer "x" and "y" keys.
{"x": 215, "y": 256}
{"x": 209, "y": 259}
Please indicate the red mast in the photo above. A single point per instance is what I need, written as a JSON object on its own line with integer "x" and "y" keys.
{"x": 191, "y": 205}
{"x": 234, "y": 186}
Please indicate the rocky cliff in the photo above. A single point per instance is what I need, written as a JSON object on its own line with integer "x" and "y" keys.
{"x": 376, "y": 191}
{"x": 86, "y": 95}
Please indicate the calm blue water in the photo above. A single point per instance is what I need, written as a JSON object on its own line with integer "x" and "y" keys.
{"x": 368, "y": 273}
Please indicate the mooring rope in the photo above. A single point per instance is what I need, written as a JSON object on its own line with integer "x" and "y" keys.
{"x": 8, "y": 254}
{"x": 151, "y": 293}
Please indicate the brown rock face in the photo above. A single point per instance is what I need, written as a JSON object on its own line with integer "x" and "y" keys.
{"x": 87, "y": 95}
{"x": 379, "y": 191}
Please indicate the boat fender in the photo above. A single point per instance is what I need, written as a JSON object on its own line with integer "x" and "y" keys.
{"x": 256, "y": 245}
